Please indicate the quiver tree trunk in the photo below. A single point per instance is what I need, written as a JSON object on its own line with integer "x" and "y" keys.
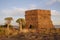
{"x": 20, "y": 26}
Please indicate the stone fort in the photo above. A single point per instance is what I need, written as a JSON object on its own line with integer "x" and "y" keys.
{"x": 38, "y": 19}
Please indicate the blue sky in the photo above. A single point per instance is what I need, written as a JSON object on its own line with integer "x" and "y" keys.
{"x": 16, "y": 8}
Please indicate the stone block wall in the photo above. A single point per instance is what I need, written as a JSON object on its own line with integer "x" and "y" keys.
{"x": 38, "y": 19}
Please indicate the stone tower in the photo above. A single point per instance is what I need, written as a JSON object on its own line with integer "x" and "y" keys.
{"x": 38, "y": 19}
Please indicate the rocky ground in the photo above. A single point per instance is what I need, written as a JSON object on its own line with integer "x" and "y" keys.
{"x": 32, "y": 36}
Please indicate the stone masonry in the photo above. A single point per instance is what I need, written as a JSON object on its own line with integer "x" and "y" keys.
{"x": 38, "y": 19}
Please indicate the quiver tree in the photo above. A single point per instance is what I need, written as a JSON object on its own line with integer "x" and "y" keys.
{"x": 8, "y": 22}
{"x": 21, "y": 23}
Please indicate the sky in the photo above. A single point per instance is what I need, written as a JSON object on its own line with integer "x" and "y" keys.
{"x": 17, "y": 8}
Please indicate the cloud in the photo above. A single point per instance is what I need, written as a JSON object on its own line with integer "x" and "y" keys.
{"x": 13, "y": 12}
{"x": 33, "y": 6}
{"x": 58, "y": 0}
{"x": 50, "y": 2}
{"x": 55, "y": 12}
{"x": 55, "y": 17}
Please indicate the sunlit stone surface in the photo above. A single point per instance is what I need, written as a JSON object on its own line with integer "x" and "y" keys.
{"x": 38, "y": 19}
